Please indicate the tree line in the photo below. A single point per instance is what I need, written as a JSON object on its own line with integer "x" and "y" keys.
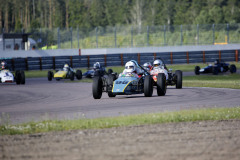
{"x": 27, "y": 14}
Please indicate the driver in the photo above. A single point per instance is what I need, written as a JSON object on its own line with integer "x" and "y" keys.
{"x": 66, "y": 67}
{"x": 131, "y": 70}
{"x": 159, "y": 67}
{"x": 158, "y": 64}
{"x": 147, "y": 66}
{"x": 96, "y": 66}
{"x": 3, "y": 65}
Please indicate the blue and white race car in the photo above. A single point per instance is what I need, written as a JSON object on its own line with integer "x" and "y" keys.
{"x": 129, "y": 84}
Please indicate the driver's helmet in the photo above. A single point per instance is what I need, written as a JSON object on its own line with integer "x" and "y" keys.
{"x": 147, "y": 66}
{"x": 130, "y": 67}
{"x": 66, "y": 67}
{"x": 3, "y": 65}
{"x": 96, "y": 65}
{"x": 158, "y": 63}
{"x": 216, "y": 61}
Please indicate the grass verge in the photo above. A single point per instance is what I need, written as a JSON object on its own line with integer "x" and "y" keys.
{"x": 99, "y": 123}
{"x": 215, "y": 81}
{"x": 119, "y": 69}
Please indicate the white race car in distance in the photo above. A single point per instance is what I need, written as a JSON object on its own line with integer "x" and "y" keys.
{"x": 7, "y": 77}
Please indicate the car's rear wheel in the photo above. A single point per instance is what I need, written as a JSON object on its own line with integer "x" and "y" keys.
{"x": 110, "y": 80}
{"x": 161, "y": 84}
{"x": 97, "y": 87}
{"x": 71, "y": 76}
{"x": 22, "y": 77}
{"x": 50, "y": 76}
{"x": 148, "y": 86}
{"x": 233, "y": 68}
{"x": 79, "y": 74}
{"x": 178, "y": 74}
{"x": 197, "y": 70}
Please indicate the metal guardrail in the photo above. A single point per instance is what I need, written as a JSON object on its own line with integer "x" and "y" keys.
{"x": 87, "y": 61}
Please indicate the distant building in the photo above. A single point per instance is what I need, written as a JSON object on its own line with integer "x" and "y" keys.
{"x": 17, "y": 42}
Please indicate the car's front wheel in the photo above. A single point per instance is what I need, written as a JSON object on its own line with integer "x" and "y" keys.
{"x": 97, "y": 87}
{"x": 79, "y": 74}
{"x": 50, "y": 76}
{"x": 161, "y": 84}
{"x": 178, "y": 74}
{"x": 22, "y": 77}
{"x": 233, "y": 68}
{"x": 148, "y": 86}
{"x": 197, "y": 70}
{"x": 18, "y": 77}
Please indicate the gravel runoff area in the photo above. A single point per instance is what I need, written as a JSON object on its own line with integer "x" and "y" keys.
{"x": 218, "y": 140}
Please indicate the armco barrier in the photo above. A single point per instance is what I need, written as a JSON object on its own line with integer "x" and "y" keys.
{"x": 48, "y": 63}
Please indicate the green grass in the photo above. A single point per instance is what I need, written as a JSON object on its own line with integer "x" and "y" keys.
{"x": 36, "y": 74}
{"x": 43, "y": 73}
{"x": 215, "y": 81}
{"x": 143, "y": 119}
{"x": 119, "y": 69}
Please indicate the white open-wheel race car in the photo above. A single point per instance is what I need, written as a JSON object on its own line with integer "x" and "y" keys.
{"x": 8, "y": 77}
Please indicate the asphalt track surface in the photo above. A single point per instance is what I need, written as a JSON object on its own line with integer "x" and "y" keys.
{"x": 40, "y": 99}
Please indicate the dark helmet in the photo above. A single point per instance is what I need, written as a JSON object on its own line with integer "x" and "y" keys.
{"x": 3, "y": 64}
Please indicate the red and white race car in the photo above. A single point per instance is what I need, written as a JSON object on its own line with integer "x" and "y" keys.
{"x": 171, "y": 78}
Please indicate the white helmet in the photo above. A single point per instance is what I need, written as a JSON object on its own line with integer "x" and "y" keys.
{"x": 96, "y": 65}
{"x": 130, "y": 67}
{"x": 147, "y": 65}
{"x": 158, "y": 63}
{"x": 66, "y": 67}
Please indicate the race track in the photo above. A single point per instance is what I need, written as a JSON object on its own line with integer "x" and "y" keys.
{"x": 40, "y": 100}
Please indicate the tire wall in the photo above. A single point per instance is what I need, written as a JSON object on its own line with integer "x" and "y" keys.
{"x": 86, "y": 61}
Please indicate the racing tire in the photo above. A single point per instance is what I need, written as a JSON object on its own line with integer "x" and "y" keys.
{"x": 79, "y": 74}
{"x": 148, "y": 86}
{"x": 161, "y": 84}
{"x": 18, "y": 77}
{"x": 22, "y": 77}
{"x": 178, "y": 74}
{"x": 110, "y": 71}
{"x": 71, "y": 76}
{"x": 97, "y": 87}
{"x": 215, "y": 70}
{"x": 197, "y": 70}
{"x": 233, "y": 68}
{"x": 110, "y": 80}
{"x": 50, "y": 76}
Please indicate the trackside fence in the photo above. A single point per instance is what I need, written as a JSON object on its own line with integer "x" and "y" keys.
{"x": 87, "y": 61}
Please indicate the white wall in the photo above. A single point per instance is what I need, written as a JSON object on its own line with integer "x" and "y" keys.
{"x": 72, "y": 52}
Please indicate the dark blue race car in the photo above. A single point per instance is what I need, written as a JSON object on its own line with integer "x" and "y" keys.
{"x": 97, "y": 70}
{"x": 217, "y": 67}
